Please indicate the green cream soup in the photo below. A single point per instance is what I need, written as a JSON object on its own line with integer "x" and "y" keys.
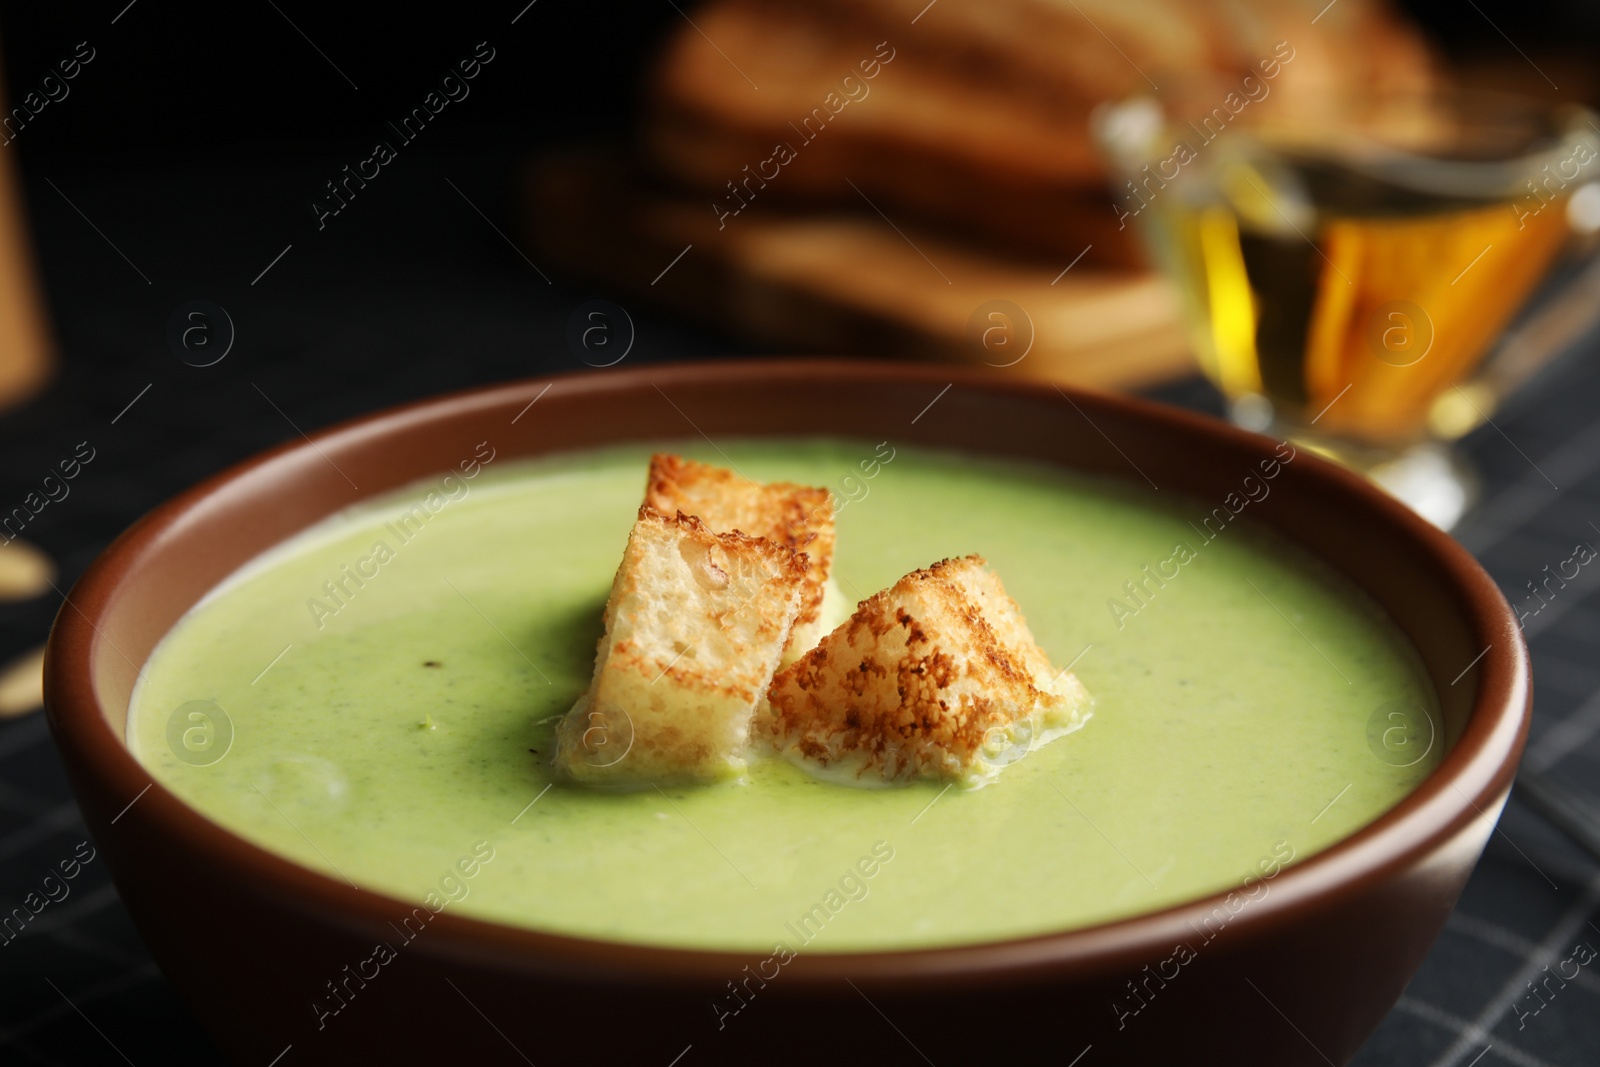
{"x": 376, "y": 699}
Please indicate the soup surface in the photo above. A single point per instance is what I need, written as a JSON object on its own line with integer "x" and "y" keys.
{"x": 376, "y": 699}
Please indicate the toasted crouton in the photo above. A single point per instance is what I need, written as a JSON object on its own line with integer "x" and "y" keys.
{"x": 935, "y": 677}
{"x": 693, "y": 631}
{"x": 798, "y": 517}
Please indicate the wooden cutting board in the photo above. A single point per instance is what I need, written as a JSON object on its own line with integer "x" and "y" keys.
{"x": 852, "y": 284}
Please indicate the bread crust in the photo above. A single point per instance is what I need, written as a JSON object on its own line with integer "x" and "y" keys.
{"x": 935, "y": 677}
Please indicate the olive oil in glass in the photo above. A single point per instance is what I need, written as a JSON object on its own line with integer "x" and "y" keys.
{"x": 1347, "y": 275}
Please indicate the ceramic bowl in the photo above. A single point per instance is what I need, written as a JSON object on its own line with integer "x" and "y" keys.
{"x": 1302, "y": 976}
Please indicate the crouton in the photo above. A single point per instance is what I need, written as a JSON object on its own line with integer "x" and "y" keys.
{"x": 693, "y": 631}
{"x": 936, "y": 677}
{"x": 798, "y": 517}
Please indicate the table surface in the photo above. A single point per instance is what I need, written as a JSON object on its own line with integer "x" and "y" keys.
{"x": 413, "y": 290}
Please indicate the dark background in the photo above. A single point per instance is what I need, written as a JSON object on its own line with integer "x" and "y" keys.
{"x": 185, "y": 159}
{"x": 194, "y": 84}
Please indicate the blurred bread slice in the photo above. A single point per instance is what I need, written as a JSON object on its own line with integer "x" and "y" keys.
{"x": 936, "y": 677}
{"x": 980, "y": 120}
{"x": 849, "y": 283}
{"x": 694, "y": 627}
{"x": 911, "y": 143}
{"x": 798, "y": 517}
{"x": 1051, "y": 54}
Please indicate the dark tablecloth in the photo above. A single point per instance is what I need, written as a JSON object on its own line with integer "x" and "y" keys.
{"x": 412, "y": 290}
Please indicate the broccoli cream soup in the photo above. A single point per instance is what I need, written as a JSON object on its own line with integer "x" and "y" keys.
{"x": 376, "y": 699}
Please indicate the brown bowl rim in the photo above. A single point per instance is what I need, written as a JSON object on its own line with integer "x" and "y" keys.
{"x": 1470, "y": 783}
